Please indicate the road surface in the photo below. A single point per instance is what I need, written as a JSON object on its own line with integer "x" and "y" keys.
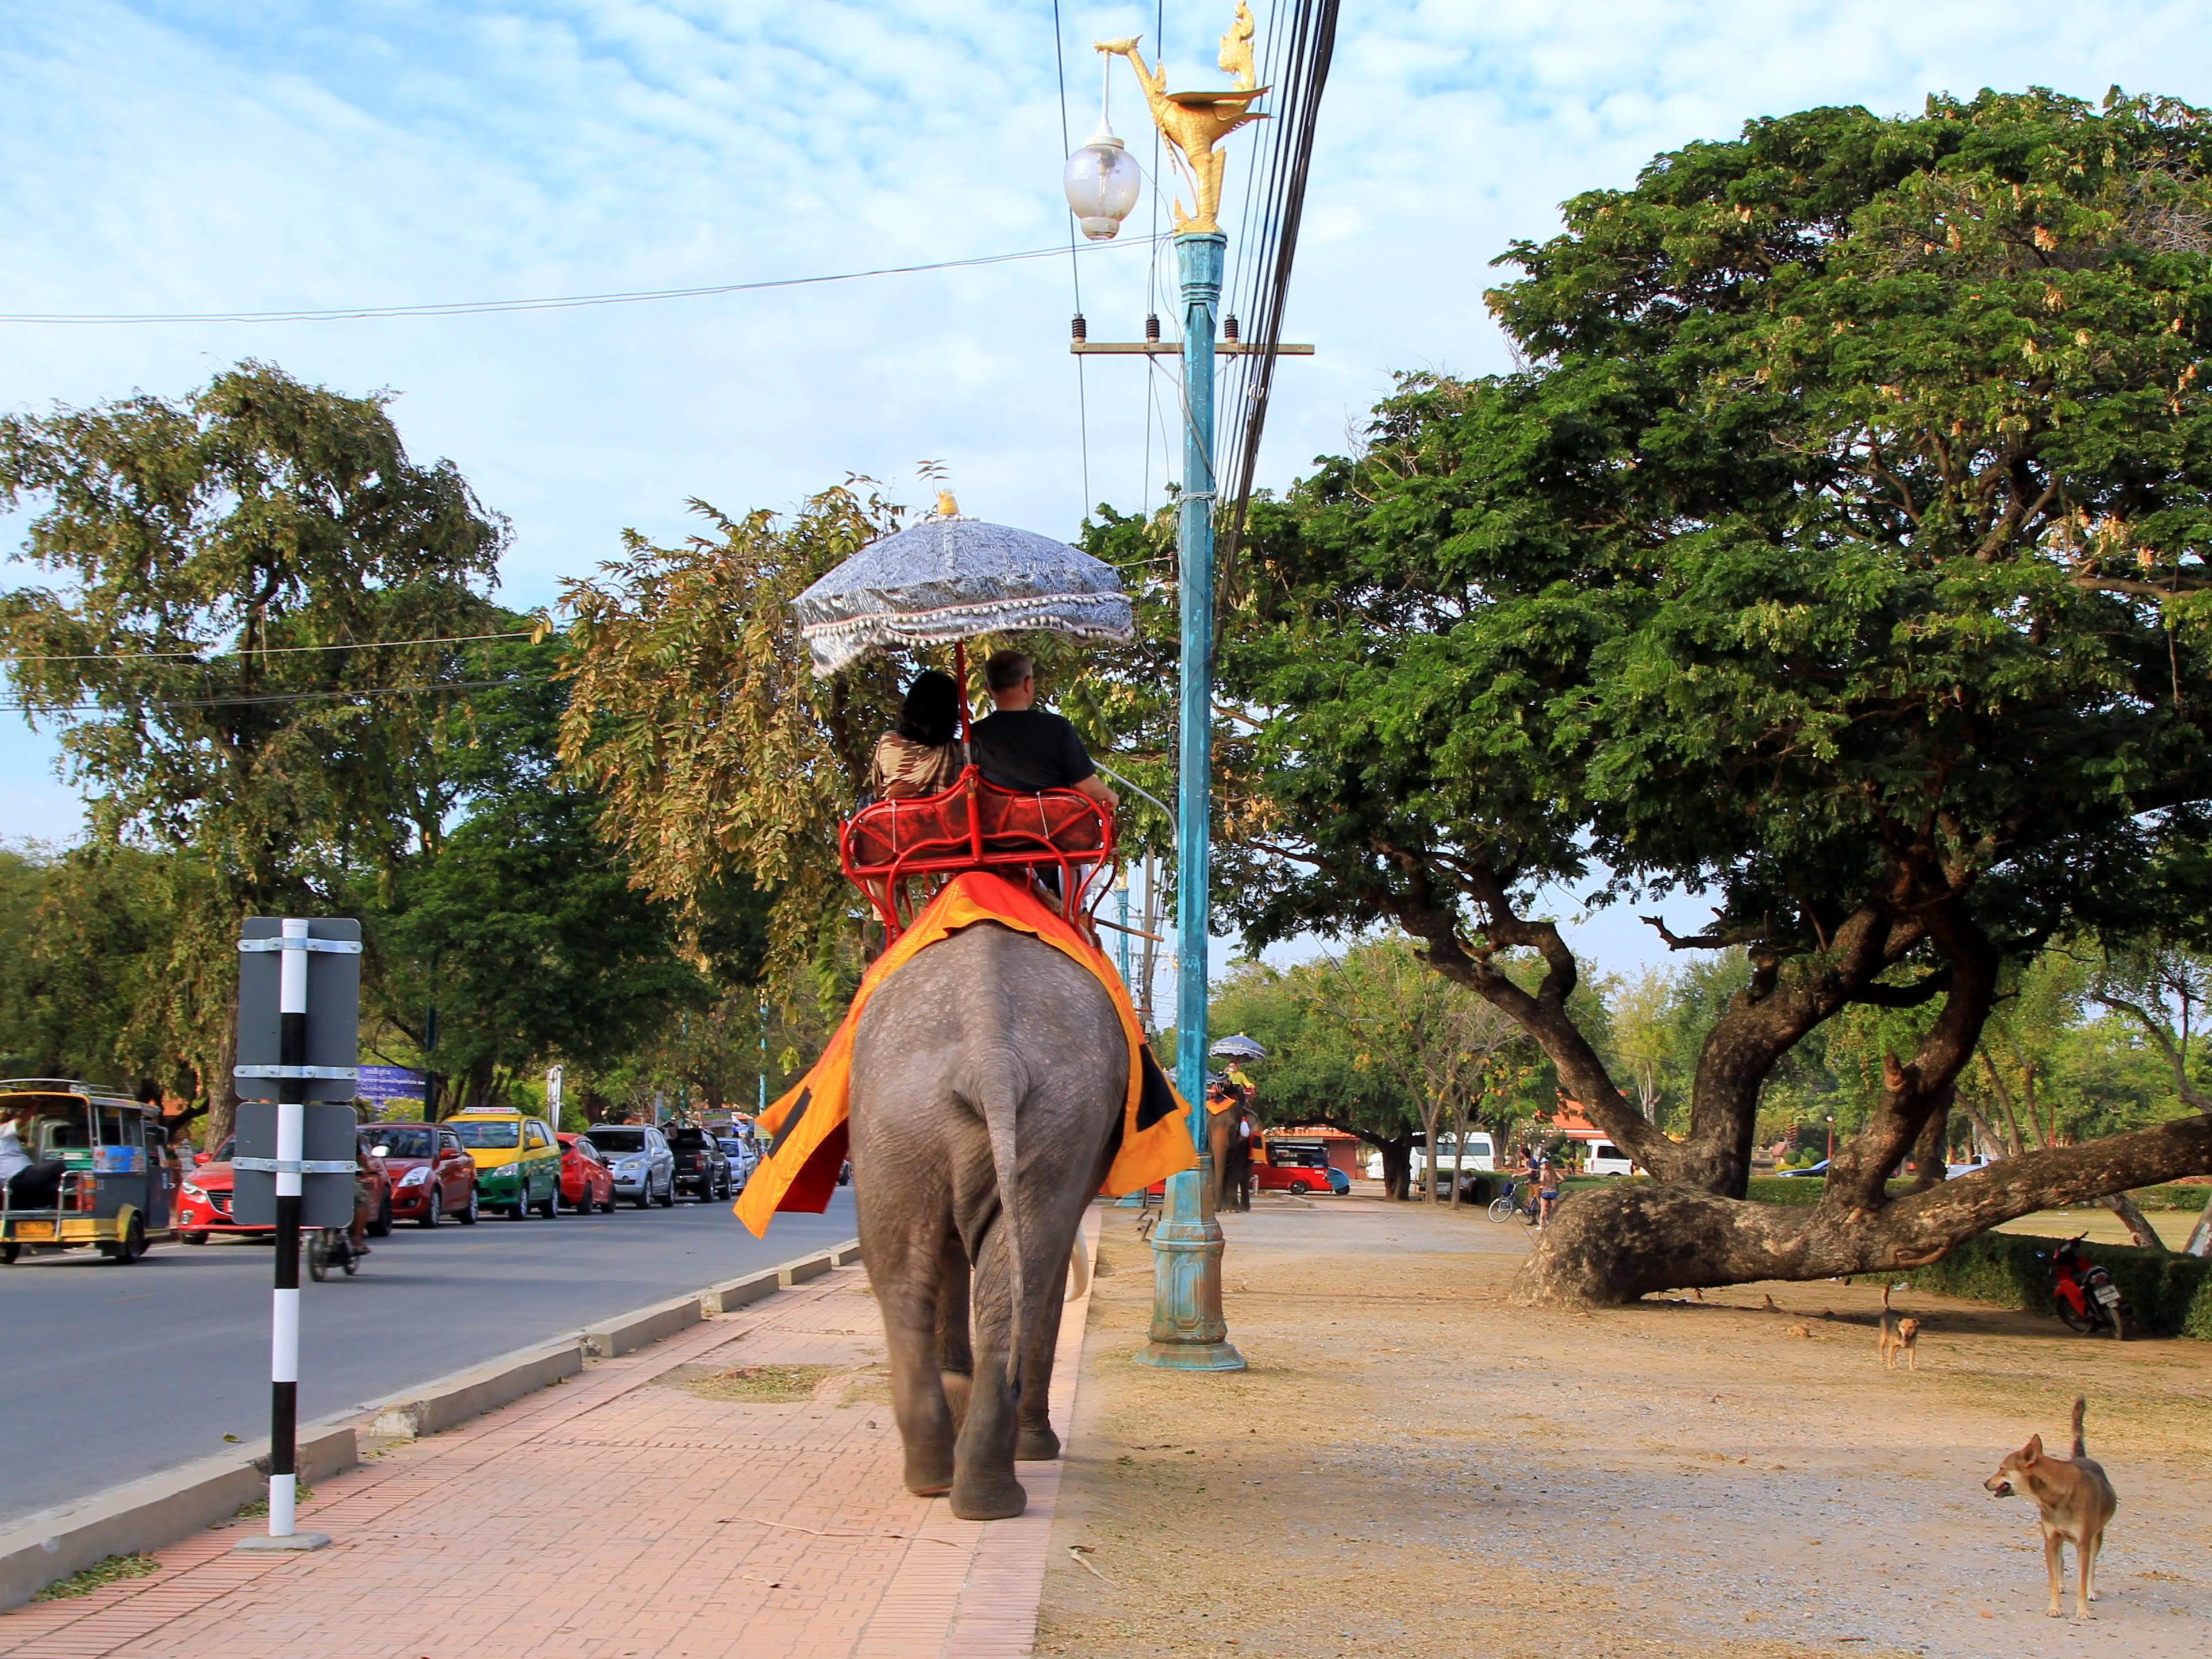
{"x": 108, "y": 1373}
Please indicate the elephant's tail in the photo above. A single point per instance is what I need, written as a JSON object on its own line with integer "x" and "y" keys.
{"x": 1001, "y": 1107}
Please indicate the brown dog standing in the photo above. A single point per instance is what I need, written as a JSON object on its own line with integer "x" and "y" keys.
{"x": 1900, "y": 1332}
{"x": 2074, "y": 1503}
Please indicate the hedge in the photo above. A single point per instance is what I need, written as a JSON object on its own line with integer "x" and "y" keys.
{"x": 2162, "y": 1295}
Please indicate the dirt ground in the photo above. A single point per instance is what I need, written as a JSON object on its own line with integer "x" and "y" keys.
{"x": 1412, "y": 1466}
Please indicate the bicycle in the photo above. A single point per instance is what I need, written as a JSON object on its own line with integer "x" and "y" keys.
{"x": 1504, "y": 1208}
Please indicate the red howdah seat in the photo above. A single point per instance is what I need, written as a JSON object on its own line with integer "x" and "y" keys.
{"x": 890, "y": 845}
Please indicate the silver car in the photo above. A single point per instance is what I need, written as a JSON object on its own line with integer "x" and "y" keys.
{"x": 644, "y": 1168}
{"x": 744, "y": 1158}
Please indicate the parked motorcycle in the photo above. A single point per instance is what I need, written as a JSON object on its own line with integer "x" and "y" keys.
{"x": 2084, "y": 1295}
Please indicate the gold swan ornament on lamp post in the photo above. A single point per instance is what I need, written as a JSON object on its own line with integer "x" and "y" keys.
{"x": 1194, "y": 122}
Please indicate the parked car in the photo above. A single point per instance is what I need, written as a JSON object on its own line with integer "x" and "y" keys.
{"x": 1297, "y": 1167}
{"x": 432, "y": 1176}
{"x": 702, "y": 1168}
{"x": 586, "y": 1183}
{"x": 644, "y": 1168}
{"x": 743, "y": 1156}
{"x": 517, "y": 1161}
{"x": 1819, "y": 1169}
{"x": 203, "y": 1197}
{"x": 380, "y": 1186}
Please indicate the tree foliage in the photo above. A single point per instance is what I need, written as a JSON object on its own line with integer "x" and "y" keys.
{"x": 227, "y": 569}
{"x": 1841, "y": 556}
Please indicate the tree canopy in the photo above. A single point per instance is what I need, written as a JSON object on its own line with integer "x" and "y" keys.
{"x": 1840, "y": 554}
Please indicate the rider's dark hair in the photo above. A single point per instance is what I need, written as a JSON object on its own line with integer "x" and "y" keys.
{"x": 1007, "y": 670}
{"x": 931, "y": 711}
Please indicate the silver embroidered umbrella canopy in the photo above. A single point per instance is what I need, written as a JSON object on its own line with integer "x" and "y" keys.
{"x": 952, "y": 577}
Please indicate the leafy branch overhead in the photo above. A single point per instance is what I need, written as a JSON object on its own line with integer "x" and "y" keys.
{"x": 1840, "y": 556}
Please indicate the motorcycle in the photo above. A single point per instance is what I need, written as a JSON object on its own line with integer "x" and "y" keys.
{"x": 2084, "y": 1295}
{"x": 329, "y": 1248}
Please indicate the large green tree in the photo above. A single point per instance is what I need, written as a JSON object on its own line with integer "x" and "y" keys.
{"x": 227, "y": 571}
{"x": 1839, "y": 556}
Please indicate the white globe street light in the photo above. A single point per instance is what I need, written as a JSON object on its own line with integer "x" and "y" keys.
{"x": 1101, "y": 181}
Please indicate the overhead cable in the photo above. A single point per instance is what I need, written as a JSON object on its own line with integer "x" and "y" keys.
{"x": 558, "y": 302}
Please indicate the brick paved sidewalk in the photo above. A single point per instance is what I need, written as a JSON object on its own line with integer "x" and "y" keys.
{"x": 619, "y": 1515}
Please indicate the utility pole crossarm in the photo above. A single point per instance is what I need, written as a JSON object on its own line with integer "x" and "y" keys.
{"x": 1174, "y": 348}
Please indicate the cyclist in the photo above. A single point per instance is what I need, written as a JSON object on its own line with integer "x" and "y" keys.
{"x": 1547, "y": 1190}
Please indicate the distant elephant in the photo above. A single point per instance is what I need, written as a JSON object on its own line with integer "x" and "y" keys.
{"x": 990, "y": 1064}
{"x": 1230, "y": 1134}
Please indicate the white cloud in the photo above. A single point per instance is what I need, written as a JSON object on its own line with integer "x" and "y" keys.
{"x": 197, "y": 154}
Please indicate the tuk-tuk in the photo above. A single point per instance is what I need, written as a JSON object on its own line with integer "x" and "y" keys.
{"x": 116, "y": 1192}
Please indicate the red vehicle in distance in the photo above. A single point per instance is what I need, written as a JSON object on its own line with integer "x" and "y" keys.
{"x": 203, "y": 1199}
{"x": 1285, "y": 1164}
{"x": 432, "y": 1176}
{"x": 586, "y": 1183}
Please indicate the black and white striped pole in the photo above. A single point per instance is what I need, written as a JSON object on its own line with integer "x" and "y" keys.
{"x": 298, "y": 1031}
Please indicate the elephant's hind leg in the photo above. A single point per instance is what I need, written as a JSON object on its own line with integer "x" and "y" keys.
{"x": 955, "y": 1354}
{"x": 1035, "y": 1440}
{"x": 906, "y": 1273}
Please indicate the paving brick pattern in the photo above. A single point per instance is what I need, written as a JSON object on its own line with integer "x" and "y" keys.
{"x": 618, "y": 1517}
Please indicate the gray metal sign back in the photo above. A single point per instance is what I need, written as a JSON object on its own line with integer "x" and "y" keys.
{"x": 326, "y": 1165}
{"x": 333, "y": 1010}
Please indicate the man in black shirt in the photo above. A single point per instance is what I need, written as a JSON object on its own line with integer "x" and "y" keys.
{"x": 1023, "y": 747}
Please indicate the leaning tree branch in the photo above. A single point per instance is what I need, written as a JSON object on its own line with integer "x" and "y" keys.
{"x": 1542, "y": 1014}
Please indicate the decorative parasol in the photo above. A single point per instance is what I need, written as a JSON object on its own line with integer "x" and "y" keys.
{"x": 1239, "y": 1047}
{"x": 951, "y": 577}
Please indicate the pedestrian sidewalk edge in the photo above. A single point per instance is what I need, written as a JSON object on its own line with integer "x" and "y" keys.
{"x": 157, "y": 1511}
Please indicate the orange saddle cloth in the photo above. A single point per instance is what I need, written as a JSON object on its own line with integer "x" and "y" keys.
{"x": 809, "y": 1126}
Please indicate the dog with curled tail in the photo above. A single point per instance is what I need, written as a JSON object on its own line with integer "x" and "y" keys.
{"x": 2074, "y": 1503}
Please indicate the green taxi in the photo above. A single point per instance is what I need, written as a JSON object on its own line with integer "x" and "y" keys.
{"x": 517, "y": 1161}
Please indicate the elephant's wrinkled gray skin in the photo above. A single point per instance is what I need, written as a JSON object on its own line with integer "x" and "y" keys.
{"x": 991, "y": 1050}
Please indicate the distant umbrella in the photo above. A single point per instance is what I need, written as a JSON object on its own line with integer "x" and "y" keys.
{"x": 1237, "y": 1048}
{"x": 950, "y": 577}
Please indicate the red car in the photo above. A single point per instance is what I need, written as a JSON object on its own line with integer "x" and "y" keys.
{"x": 586, "y": 1183}
{"x": 203, "y": 1199}
{"x": 432, "y": 1176}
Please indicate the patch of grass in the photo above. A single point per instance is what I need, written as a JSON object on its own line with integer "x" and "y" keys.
{"x": 99, "y": 1575}
{"x": 761, "y": 1385}
{"x": 258, "y": 1509}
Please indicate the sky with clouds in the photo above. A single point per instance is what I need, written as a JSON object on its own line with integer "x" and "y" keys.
{"x": 230, "y": 155}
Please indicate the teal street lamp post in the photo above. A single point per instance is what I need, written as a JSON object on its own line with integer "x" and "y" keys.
{"x": 1188, "y": 1331}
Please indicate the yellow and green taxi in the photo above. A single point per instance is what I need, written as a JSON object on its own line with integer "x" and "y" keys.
{"x": 517, "y": 1161}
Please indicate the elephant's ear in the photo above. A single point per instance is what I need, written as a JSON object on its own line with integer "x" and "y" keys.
{"x": 1156, "y": 1100}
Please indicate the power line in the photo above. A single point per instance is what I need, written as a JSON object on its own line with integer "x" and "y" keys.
{"x": 275, "y": 650}
{"x": 1074, "y": 271}
{"x": 29, "y": 707}
{"x": 559, "y": 302}
{"x": 1313, "y": 45}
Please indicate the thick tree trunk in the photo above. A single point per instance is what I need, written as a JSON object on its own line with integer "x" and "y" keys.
{"x": 2138, "y": 1224}
{"x": 1397, "y": 1169}
{"x": 1610, "y": 1247}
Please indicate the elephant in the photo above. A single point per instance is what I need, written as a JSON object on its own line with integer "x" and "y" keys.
{"x": 990, "y": 1076}
{"x": 1230, "y": 1135}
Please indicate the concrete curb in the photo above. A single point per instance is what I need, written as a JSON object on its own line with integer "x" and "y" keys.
{"x": 446, "y": 1400}
{"x": 152, "y": 1513}
{"x": 148, "y": 1514}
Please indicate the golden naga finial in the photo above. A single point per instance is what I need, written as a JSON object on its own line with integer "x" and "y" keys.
{"x": 947, "y": 507}
{"x": 1236, "y": 48}
{"x": 1194, "y": 122}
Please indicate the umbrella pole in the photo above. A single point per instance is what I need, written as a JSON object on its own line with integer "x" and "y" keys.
{"x": 960, "y": 678}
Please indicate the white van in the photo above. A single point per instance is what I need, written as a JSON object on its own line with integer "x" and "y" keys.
{"x": 1479, "y": 1155}
{"x": 1603, "y": 1158}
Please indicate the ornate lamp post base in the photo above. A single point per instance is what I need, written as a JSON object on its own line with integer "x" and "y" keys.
{"x": 1188, "y": 1331}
